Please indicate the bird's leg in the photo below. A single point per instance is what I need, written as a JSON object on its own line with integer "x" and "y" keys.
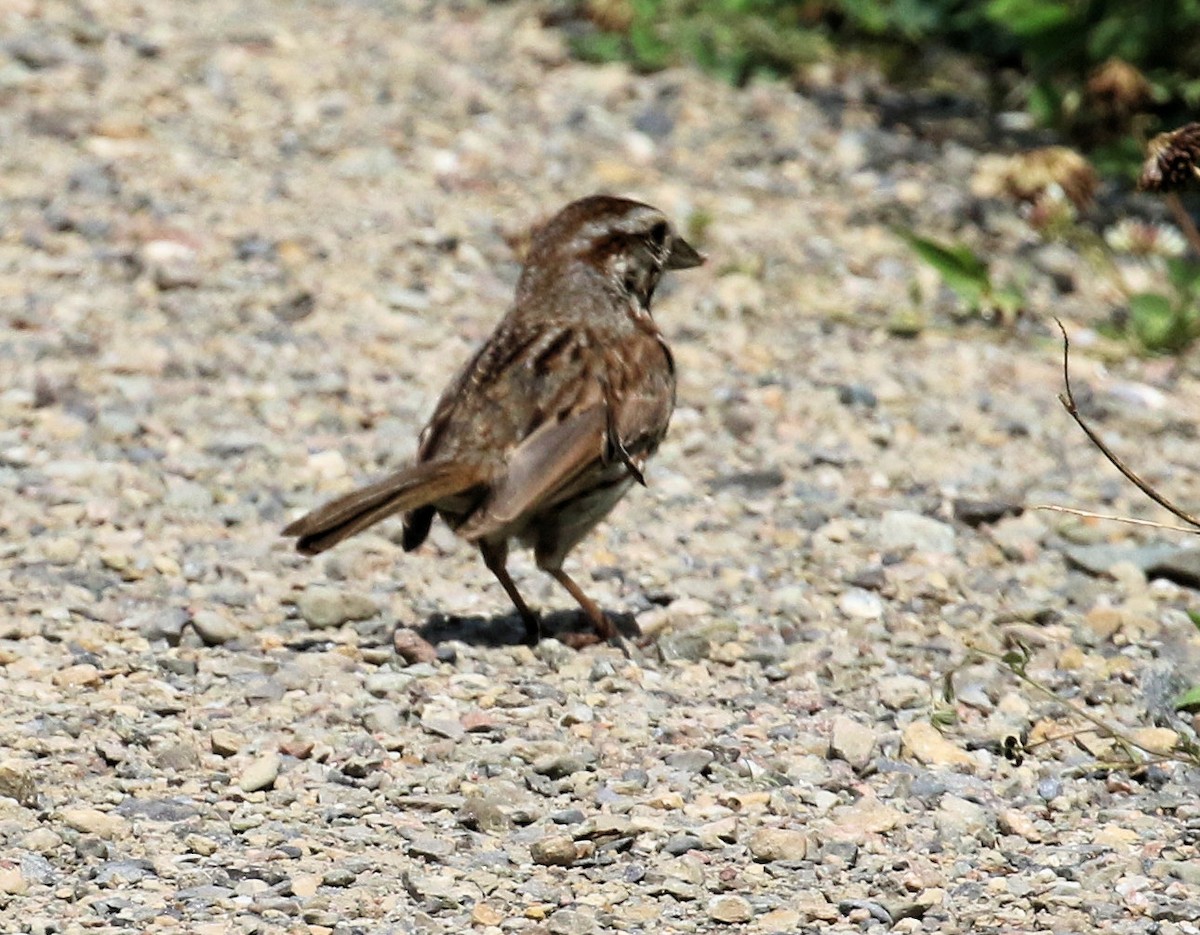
{"x": 495, "y": 556}
{"x": 605, "y": 628}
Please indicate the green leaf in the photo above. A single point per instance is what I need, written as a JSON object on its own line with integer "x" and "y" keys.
{"x": 1189, "y": 700}
{"x": 1194, "y": 616}
{"x": 1184, "y": 274}
{"x": 1029, "y": 18}
{"x": 963, "y": 271}
{"x": 1154, "y": 321}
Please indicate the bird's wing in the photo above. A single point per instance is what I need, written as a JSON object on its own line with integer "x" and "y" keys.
{"x": 542, "y": 465}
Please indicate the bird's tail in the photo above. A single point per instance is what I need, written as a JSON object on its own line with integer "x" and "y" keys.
{"x": 418, "y": 486}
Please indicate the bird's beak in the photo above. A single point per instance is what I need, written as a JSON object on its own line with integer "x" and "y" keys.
{"x": 683, "y": 255}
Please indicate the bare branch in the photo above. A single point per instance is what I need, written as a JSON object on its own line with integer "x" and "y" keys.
{"x": 1068, "y": 401}
{"x": 1088, "y": 514}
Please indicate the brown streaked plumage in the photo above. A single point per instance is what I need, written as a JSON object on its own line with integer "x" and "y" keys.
{"x": 552, "y": 420}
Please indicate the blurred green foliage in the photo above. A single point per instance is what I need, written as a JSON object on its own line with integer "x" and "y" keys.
{"x": 1056, "y": 46}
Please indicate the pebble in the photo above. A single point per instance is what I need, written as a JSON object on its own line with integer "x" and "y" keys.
{"x": 261, "y": 773}
{"x": 958, "y": 818}
{"x": 898, "y": 692}
{"x": 851, "y": 741}
{"x": 771, "y": 844}
{"x": 18, "y": 782}
{"x": 730, "y": 909}
{"x": 902, "y": 529}
{"x": 324, "y": 607}
{"x": 556, "y": 850}
{"x": 225, "y": 742}
{"x": 87, "y": 820}
{"x": 926, "y": 744}
{"x": 62, "y": 551}
{"x": 861, "y": 604}
{"x": 214, "y": 629}
{"x": 484, "y": 814}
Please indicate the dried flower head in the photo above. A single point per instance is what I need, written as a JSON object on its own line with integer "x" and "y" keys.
{"x": 1030, "y": 175}
{"x": 1118, "y": 89}
{"x": 1172, "y": 160}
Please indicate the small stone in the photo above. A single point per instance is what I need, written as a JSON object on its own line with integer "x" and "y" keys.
{"x": 199, "y": 844}
{"x": 324, "y": 607}
{"x": 305, "y": 885}
{"x": 77, "y": 675}
{"x": 679, "y": 844}
{"x": 560, "y": 765}
{"x": 556, "y": 850}
{"x": 1014, "y": 821}
{"x": 851, "y": 741}
{"x": 177, "y": 756}
{"x": 780, "y": 920}
{"x": 261, "y": 774}
{"x": 958, "y": 818}
{"x": 904, "y": 529}
{"x": 691, "y": 761}
{"x": 729, "y": 909}
{"x": 224, "y": 742}
{"x": 865, "y": 817}
{"x": 898, "y": 692}
{"x": 977, "y": 512}
{"x": 771, "y": 844}
{"x": 1116, "y": 836}
{"x": 12, "y": 881}
{"x": 17, "y": 782}
{"x": 431, "y": 847}
{"x": 93, "y": 821}
{"x": 440, "y": 724}
{"x": 483, "y": 914}
{"x": 923, "y": 742}
{"x": 861, "y": 604}
{"x": 1160, "y": 740}
{"x": 171, "y": 264}
{"x": 339, "y": 877}
{"x": 42, "y": 841}
{"x": 61, "y": 551}
{"x": 412, "y": 647}
{"x": 213, "y": 628}
{"x": 483, "y": 814}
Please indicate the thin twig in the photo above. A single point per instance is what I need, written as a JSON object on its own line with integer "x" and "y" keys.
{"x": 1068, "y": 401}
{"x": 1184, "y": 220}
{"x": 1127, "y": 743}
{"x": 1088, "y": 514}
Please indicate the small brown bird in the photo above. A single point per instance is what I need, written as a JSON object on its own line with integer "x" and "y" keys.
{"x": 552, "y": 420}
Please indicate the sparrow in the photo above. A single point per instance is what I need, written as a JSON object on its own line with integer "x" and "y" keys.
{"x": 553, "y": 419}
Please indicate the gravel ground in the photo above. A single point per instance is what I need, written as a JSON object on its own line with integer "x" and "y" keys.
{"x": 242, "y": 246}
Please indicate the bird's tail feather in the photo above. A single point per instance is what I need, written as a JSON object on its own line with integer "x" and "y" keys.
{"x": 420, "y": 485}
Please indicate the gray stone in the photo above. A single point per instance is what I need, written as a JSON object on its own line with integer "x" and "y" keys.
{"x": 851, "y": 741}
{"x": 900, "y": 530}
{"x": 324, "y": 607}
{"x": 213, "y": 628}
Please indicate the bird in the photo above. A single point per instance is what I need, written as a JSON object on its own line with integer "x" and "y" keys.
{"x": 553, "y": 419}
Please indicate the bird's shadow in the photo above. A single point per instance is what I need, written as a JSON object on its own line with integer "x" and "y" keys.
{"x": 567, "y": 626}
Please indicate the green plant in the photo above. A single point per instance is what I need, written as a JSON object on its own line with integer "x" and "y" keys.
{"x": 1100, "y": 67}
{"x": 1168, "y": 322}
{"x": 1133, "y": 755}
{"x": 735, "y": 39}
{"x": 968, "y": 276}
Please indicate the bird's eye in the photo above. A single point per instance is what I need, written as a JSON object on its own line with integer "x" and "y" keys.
{"x": 658, "y": 234}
